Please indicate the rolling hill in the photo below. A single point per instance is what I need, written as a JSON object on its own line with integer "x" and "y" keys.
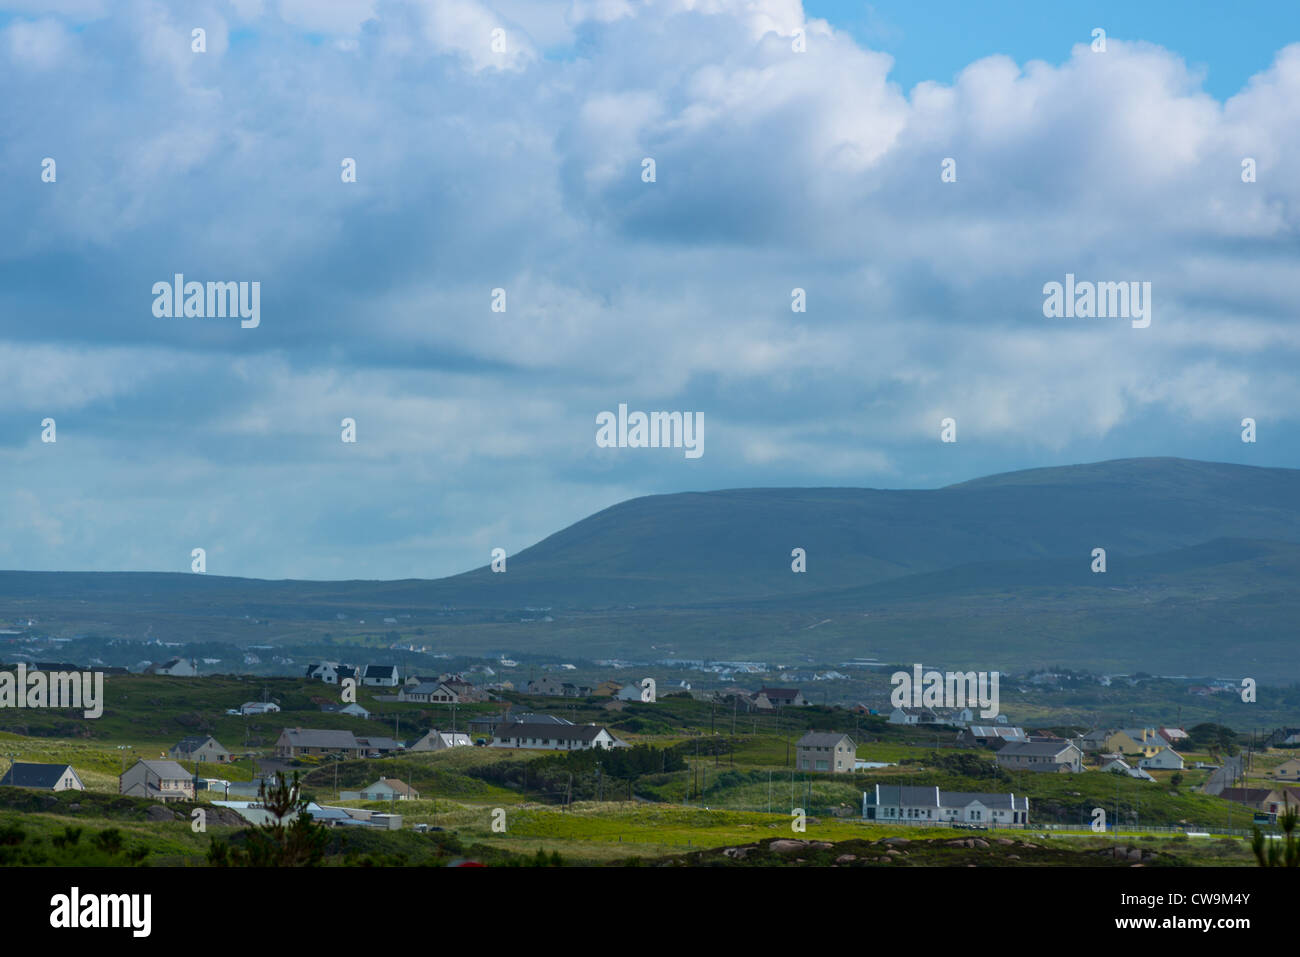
{"x": 1202, "y": 559}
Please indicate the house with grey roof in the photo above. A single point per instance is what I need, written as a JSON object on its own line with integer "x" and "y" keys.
{"x": 1058, "y": 755}
{"x": 378, "y": 747}
{"x": 930, "y": 805}
{"x": 380, "y": 676}
{"x": 295, "y": 742}
{"x": 990, "y": 735}
{"x": 199, "y": 747}
{"x": 159, "y": 780}
{"x": 437, "y": 740}
{"x": 826, "y": 751}
{"x": 42, "y": 777}
{"x": 554, "y": 737}
{"x": 385, "y": 789}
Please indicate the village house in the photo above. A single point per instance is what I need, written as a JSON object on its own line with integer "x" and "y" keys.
{"x": 385, "y": 789}
{"x": 913, "y": 716}
{"x": 199, "y": 747}
{"x": 42, "y": 777}
{"x": 826, "y": 751}
{"x": 1115, "y": 764}
{"x": 380, "y": 676}
{"x": 1166, "y": 759}
{"x": 990, "y": 736}
{"x": 1270, "y": 801}
{"x": 554, "y": 737}
{"x": 437, "y": 740}
{"x": 331, "y": 672}
{"x": 548, "y": 685}
{"x": 354, "y": 709}
{"x": 1288, "y": 770}
{"x": 1143, "y": 741}
{"x": 781, "y": 697}
{"x": 177, "y": 667}
{"x": 930, "y": 805}
{"x": 1176, "y": 737}
{"x": 431, "y": 692}
{"x": 160, "y": 780}
{"x": 295, "y": 742}
{"x": 258, "y": 707}
{"x": 1040, "y": 756}
{"x": 379, "y": 747}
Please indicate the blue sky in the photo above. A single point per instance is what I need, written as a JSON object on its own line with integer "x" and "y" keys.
{"x": 521, "y": 169}
{"x": 935, "y": 40}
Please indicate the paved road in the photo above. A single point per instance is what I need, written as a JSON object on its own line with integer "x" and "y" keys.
{"x": 1223, "y": 778}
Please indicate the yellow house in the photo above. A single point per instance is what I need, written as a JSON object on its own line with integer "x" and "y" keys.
{"x": 1144, "y": 741}
{"x": 1288, "y": 770}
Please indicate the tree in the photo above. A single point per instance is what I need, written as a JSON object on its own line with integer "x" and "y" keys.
{"x": 299, "y": 843}
{"x": 1283, "y": 853}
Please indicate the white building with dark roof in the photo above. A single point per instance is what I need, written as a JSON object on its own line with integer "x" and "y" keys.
{"x": 930, "y": 805}
{"x": 554, "y": 737}
{"x": 42, "y": 777}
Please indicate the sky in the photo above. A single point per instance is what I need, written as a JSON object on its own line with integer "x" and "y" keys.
{"x": 794, "y": 147}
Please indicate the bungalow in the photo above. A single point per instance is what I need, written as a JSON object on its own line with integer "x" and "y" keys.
{"x": 353, "y": 709}
{"x": 913, "y": 716}
{"x": 826, "y": 751}
{"x": 1270, "y": 801}
{"x": 385, "y": 789}
{"x": 1114, "y": 764}
{"x": 161, "y": 780}
{"x": 1175, "y": 736}
{"x": 1288, "y": 770}
{"x": 1040, "y": 756}
{"x": 294, "y": 742}
{"x": 990, "y": 736}
{"x": 437, "y": 740}
{"x": 379, "y": 747}
{"x": 42, "y": 777}
{"x": 430, "y": 691}
{"x": 380, "y": 676}
{"x": 554, "y": 737}
{"x": 258, "y": 707}
{"x": 177, "y": 667}
{"x": 199, "y": 747}
{"x": 1166, "y": 759}
{"x": 929, "y": 805}
{"x": 330, "y": 672}
{"x": 1092, "y": 742}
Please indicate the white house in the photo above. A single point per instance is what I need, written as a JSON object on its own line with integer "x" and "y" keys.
{"x": 385, "y": 789}
{"x": 1166, "y": 759}
{"x": 929, "y": 805}
{"x": 437, "y": 740}
{"x": 177, "y": 667}
{"x": 913, "y": 716}
{"x": 43, "y": 777}
{"x": 330, "y": 672}
{"x": 380, "y": 676}
{"x": 258, "y": 707}
{"x": 554, "y": 737}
